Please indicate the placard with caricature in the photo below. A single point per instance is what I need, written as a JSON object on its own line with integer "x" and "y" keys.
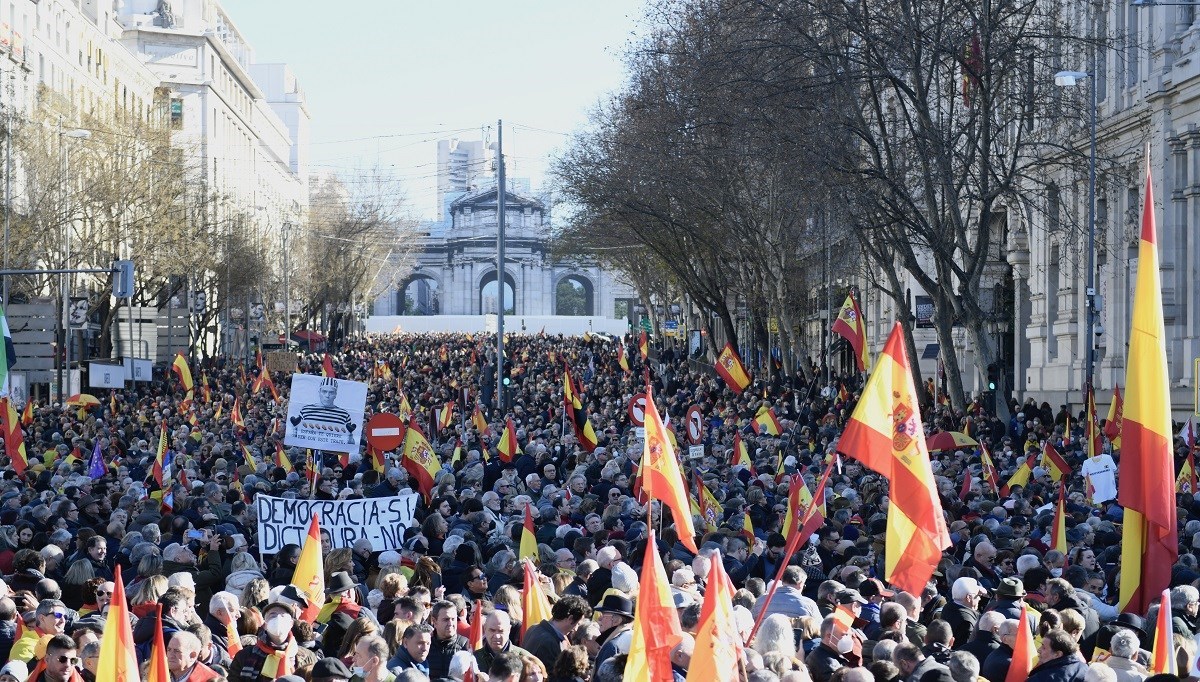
{"x": 325, "y": 413}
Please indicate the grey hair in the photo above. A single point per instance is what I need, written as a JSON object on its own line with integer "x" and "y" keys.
{"x": 500, "y": 561}
{"x": 775, "y": 634}
{"x": 964, "y": 667}
{"x": 1124, "y": 644}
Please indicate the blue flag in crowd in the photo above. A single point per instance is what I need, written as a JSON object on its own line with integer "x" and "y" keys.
{"x": 96, "y": 468}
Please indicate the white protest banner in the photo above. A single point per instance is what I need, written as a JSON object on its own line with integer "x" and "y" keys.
{"x": 325, "y": 413}
{"x": 381, "y": 520}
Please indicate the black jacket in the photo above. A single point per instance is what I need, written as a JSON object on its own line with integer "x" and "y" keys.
{"x": 983, "y": 644}
{"x": 1062, "y": 669}
{"x": 440, "y": 653}
{"x": 961, "y": 620}
{"x": 823, "y": 662}
{"x": 995, "y": 666}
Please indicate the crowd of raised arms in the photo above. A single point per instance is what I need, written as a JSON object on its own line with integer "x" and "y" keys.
{"x": 453, "y": 600}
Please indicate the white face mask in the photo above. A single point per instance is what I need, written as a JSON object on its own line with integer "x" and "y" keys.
{"x": 845, "y": 645}
{"x": 359, "y": 671}
{"x": 1055, "y": 572}
{"x": 278, "y": 626}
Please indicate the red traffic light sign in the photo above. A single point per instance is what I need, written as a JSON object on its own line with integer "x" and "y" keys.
{"x": 385, "y": 431}
{"x": 637, "y": 410}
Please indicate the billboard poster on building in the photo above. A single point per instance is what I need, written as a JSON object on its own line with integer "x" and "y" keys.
{"x": 325, "y": 413}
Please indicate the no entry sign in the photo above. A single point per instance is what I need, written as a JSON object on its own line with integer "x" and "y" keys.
{"x": 385, "y": 431}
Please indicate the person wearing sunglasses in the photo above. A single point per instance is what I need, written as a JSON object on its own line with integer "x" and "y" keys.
{"x": 62, "y": 661}
{"x": 50, "y": 618}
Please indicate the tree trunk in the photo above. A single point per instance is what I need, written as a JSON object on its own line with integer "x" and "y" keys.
{"x": 943, "y": 322}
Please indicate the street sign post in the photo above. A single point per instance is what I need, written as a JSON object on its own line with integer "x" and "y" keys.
{"x": 695, "y": 425}
{"x": 637, "y": 410}
{"x": 385, "y": 431}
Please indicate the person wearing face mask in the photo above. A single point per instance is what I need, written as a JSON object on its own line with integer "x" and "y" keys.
{"x": 275, "y": 652}
{"x": 830, "y": 655}
{"x": 370, "y": 660}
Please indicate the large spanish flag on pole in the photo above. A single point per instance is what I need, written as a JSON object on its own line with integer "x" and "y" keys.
{"x": 886, "y": 435}
{"x": 661, "y": 478}
{"x": 731, "y": 369}
{"x": 718, "y": 643}
{"x": 656, "y": 627}
{"x": 309, "y": 576}
{"x": 1149, "y": 543}
{"x": 181, "y": 369}
{"x": 850, "y": 325}
{"x": 118, "y": 659}
{"x": 14, "y": 439}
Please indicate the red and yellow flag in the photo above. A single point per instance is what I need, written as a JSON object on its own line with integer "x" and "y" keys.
{"x": 235, "y": 415}
{"x": 1149, "y": 540}
{"x": 1058, "y": 532}
{"x": 990, "y": 476}
{"x": 118, "y": 657}
{"x": 181, "y": 369}
{"x": 644, "y": 345}
{"x": 577, "y": 413}
{"x": 281, "y": 459}
{"x": 886, "y": 435}
{"x": 1185, "y": 482}
{"x": 327, "y": 367}
{"x": 765, "y": 422}
{"x": 1091, "y": 430}
{"x": 622, "y": 358}
{"x": 27, "y": 414}
{"x": 850, "y": 325}
{"x": 250, "y": 464}
{"x": 445, "y": 416}
{"x": 1023, "y": 649}
{"x": 405, "y": 411}
{"x": 729, "y": 366}
{"x": 376, "y": 459}
{"x": 739, "y": 453}
{"x": 419, "y": 459}
{"x": 1020, "y": 476}
{"x": 156, "y": 670}
{"x": 529, "y": 545}
{"x": 656, "y": 627}
{"x": 1054, "y": 462}
{"x": 718, "y": 642}
{"x": 661, "y": 477}
{"x": 1162, "y": 656}
{"x": 479, "y": 421}
{"x": 534, "y": 602}
{"x": 1112, "y": 424}
{"x": 14, "y": 439}
{"x": 309, "y": 576}
{"x": 508, "y": 446}
{"x": 162, "y": 461}
{"x": 709, "y": 508}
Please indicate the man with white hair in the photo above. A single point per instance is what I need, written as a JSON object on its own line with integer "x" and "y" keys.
{"x": 601, "y": 578}
{"x": 224, "y": 610}
{"x": 963, "y": 611}
{"x": 183, "y": 654}
{"x": 986, "y": 637}
{"x": 1124, "y": 647}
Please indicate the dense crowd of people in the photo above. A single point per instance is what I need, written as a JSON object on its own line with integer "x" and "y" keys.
{"x": 406, "y": 613}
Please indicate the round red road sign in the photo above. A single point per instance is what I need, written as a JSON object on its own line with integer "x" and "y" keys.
{"x": 385, "y": 431}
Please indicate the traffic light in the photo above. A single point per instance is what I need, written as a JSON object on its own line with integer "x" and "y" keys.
{"x": 122, "y": 286}
{"x": 993, "y": 376}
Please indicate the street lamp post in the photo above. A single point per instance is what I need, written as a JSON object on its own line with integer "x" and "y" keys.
{"x": 1069, "y": 79}
{"x": 287, "y": 290}
{"x": 65, "y": 283}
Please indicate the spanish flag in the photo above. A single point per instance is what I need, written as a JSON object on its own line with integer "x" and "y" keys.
{"x": 508, "y": 446}
{"x": 445, "y": 416}
{"x": 309, "y": 576}
{"x": 1023, "y": 649}
{"x": 327, "y": 367}
{"x": 739, "y": 453}
{"x": 622, "y": 358}
{"x": 1150, "y": 542}
{"x": 180, "y": 367}
{"x": 156, "y": 670}
{"x": 281, "y": 459}
{"x": 534, "y": 602}
{"x": 1055, "y": 463}
{"x": 219, "y": 412}
{"x": 766, "y": 422}
{"x": 1112, "y": 424}
{"x": 27, "y": 414}
{"x": 1091, "y": 430}
{"x": 850, "y": 325}
{"x": 419, "y": 459}
{"x": 656, "y": 628}
{"x": 118, "y": 657}
{"x": 989, "y": 468}
{"x": 1162, "y": 657}
{"x": 529, "y": 545}
{"x": 405, "y": 410}
{"x": 718, "y": 642}
{"x": 709, "y": 508}
{"x": 1020, "y": 476}
{"x": 14, "y": 439}
{"x": 376, "y": 459}
{"x": 162, "y": 459}
{"x": 747, "y": 528}
{"x": 1185, "y": 482}
{"x": 235, "y": 415}
{"x": 885, "y": 434}
{"x": 644, "y": 345}
{"x": 795, "y": 507}
{"x": 731, "y": 369}
{"x": 249, "y": 458}
{"x": 572, "y": 403}
{"x": 661, "y": 478}
{"x": 1058, "y": 532}
{"x": 480, "y": 422}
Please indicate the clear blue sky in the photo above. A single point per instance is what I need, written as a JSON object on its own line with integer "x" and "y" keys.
{"x": 405, "y": 73}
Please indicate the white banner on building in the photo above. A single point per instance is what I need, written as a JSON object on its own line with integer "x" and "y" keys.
{"x": 382, "y": 520}
{"x": 325, "y": 413}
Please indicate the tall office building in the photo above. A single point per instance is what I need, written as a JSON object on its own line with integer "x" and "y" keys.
{"x": 462, "y": 166}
